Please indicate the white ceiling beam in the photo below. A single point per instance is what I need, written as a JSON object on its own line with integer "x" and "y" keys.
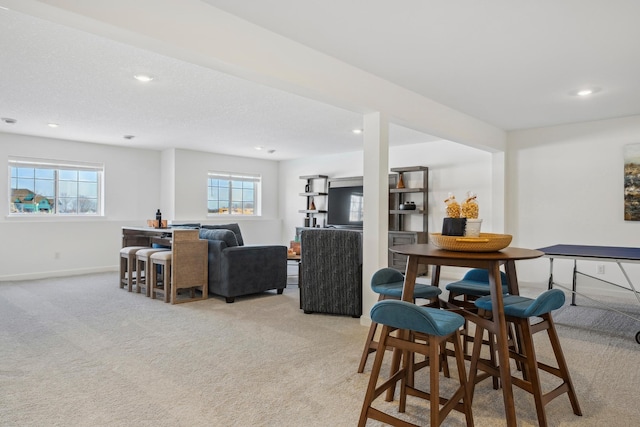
{"x": 192, "y": 31}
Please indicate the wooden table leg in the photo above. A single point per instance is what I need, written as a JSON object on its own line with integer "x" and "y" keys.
{"x": 500, "y": 326}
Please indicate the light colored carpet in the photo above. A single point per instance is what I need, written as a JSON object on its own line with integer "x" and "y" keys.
{"x": 79, "y": 351}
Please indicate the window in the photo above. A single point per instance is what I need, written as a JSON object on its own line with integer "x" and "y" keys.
{"x": 233, "y": 194}
{"x": 44, "y": 187}
{"x": 356, "y": 208}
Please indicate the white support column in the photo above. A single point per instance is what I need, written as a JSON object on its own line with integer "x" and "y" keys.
{"x": 376, "y": 205}
{"x": 498, "y": 191}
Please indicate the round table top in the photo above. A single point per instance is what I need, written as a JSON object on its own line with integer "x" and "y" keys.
{"x": 431, "y": 251}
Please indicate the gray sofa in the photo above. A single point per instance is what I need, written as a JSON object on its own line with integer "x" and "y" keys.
{"x": 237, "y": 270}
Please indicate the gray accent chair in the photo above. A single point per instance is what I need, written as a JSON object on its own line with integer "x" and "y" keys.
{"x": 331, "y": 272}
{"x": 238, "y": 270}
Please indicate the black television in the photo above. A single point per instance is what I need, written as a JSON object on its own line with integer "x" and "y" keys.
{"x": 345, "y": 207}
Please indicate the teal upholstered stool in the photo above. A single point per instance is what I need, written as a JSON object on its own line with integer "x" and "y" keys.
{"x": 473, "y": 285}
{"x": 520, "y": 310}
{"x": 388, "y": 283}
{"x": 425, "y": 330}
{"x": 463, "y": 293}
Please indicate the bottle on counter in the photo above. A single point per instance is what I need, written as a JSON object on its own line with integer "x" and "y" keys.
{"x": 159, "y": 218}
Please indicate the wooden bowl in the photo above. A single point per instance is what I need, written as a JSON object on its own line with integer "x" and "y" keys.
{"x": 487, "y": 242}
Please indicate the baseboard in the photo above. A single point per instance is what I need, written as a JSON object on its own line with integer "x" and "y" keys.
{"x": 57, "y": 273}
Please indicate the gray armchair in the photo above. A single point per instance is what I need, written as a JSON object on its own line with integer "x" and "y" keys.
{"x": 331, "y": 272}
{"x": 237, "y": 270}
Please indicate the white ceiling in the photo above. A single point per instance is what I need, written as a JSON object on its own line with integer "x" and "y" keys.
{"x": 509, "y": 64}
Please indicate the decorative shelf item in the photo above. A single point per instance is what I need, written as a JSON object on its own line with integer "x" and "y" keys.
{"x": 408, "y": 206}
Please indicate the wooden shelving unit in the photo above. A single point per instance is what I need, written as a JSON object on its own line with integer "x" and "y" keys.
{"x": 315, "y": 192}
{"x": 399, "y": 232}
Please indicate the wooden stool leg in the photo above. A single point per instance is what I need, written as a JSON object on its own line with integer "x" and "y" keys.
{"x": 140, "y": 278}
{"x": 130, "y": 269}
{"x": 475, "y": 357}
{"x": 408, "y": 363}
{"x": 562, "y": 364}
{"x": 460, "y": 357}
{"x": 492, "y": 356}
{"x": 174, "y": 294}
{"x": 434, "y": 381}
{"x": 154, "y": 279}
{"x": 373, "y": 379}
{"x": 167, "y": 281}
{"x": 148, "y": 278}
{"x": 123, "y": 270}
{"x": 368, "y": 347}
{"x": 395, "y": 367}
{"x": 531, "y": 368}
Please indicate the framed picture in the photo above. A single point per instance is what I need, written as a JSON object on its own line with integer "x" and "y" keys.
{"x": 632, "y": 182}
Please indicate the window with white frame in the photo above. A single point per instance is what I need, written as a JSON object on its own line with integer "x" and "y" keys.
{"x": 233, "y": 194}
{"x": 49, "y": 187}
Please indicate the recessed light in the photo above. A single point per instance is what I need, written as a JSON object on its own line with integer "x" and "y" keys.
{"x": 258, "y": 148}
{"x": 129, "y": 136}
{"x": 53, "y": 125}
{"x": 144, "y": 78}
{"x": 357, "y": 131}
{"x": 8, "y": 120}
{"x": 587, "y": 91}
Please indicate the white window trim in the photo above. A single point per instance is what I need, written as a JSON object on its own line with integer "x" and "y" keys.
{"x": 28, "y": 162}
{"x": 256, "y": 178}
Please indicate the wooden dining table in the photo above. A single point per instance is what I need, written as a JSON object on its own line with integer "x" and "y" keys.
{"x": 492, "y": 261}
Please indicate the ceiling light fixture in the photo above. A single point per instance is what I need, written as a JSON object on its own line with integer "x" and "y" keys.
{"x": 53, "y": 125}
{"x": 258, "y": 148}
{"x": 585, "y": 91}
{"x": 143, "y": 78}
{"x": 8, "y": 120}
{"x": 129, "y": 136}
{"x": 357, "y": 131}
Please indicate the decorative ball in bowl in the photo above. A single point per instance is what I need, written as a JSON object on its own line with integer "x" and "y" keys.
{"x": 486, "y": 242}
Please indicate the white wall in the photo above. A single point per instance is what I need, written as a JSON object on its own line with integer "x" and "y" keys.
{"x": 452, "y": 168}
{"x": 565, "y": 185}
{"x": 137, "y": 182}
{"x": 44, "y": 246}
{"x": 191, "y": 168}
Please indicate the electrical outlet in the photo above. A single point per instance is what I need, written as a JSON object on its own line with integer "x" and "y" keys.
{"x": 600, "y": 269}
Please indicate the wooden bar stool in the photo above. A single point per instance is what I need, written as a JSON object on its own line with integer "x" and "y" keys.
{"x": 463, "y": 293}
{"x": 519, "y": 311}
{"x": 388, "y": 282}
{"x": 160, "y": 260}
{"x": 422, "y": 330}
{"x": 143, "y": 268}
{"x": 128, "y": 265}
{"x": 474, "y": 285}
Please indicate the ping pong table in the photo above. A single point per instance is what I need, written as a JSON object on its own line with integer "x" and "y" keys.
{"x": 619, "y": 255}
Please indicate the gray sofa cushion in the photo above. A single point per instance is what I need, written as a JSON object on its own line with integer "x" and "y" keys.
{"x": 227, "y": 236}
{"x": 233, "y": 227}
